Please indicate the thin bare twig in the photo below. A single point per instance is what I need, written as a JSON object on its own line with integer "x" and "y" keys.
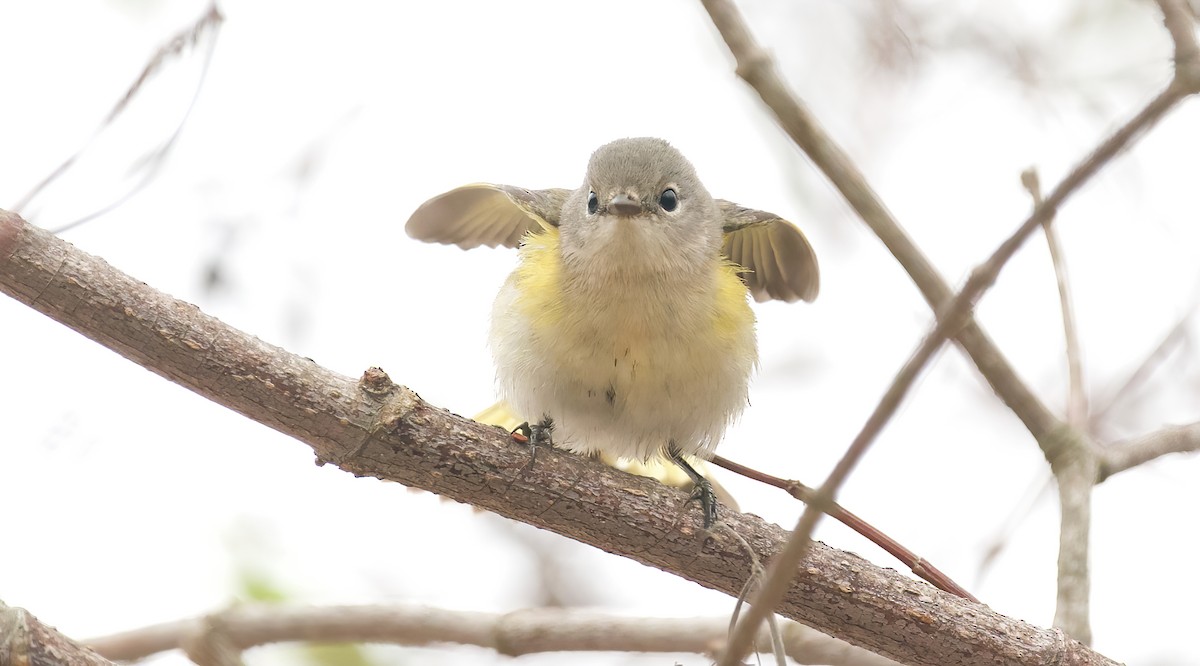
{"x": 995, "y": 544}
{"x": 205, "y": 27}
{"x": 1180, "y": 21}
{"x": 1077, "y": 401}
{"x": 1113, "y": 459}
{"x": 1074, "y": 459}
{"x": 1126, "y": 455}
{"x": 1073, "y": 484}
{"x": 1061, "y": 446}
{"x": 917, "y": 564}
{"x": 1153, "y": 360}
{"x": 754, "y": 65}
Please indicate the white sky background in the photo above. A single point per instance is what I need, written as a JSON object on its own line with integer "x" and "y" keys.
{"x": 321, "y": 127}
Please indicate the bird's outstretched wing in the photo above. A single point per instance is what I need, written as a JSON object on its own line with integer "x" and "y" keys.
{"x": 485, "y": 214}
{"x": 779, "y": 262}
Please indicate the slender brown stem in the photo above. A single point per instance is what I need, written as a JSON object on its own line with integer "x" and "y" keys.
{"x": 918, "y": 565}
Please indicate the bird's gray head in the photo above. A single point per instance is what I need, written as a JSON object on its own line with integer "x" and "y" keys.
{"x": 641, "y": 208}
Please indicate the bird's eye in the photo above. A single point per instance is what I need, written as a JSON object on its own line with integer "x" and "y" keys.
{"x": 593, "y": 203}
{"x": 669, "y": 200}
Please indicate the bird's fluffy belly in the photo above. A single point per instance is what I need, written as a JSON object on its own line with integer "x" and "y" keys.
{"x": 623, "y": 384}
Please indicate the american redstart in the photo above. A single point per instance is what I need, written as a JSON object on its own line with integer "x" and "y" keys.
{"x": 625, "y": 328}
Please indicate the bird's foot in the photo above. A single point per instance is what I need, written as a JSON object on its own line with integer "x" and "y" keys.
{"x": 701, "y": 489}
{"x": 535, "y": 435}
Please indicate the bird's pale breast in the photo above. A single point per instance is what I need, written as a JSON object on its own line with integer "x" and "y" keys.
{"x": 628, "y": 367}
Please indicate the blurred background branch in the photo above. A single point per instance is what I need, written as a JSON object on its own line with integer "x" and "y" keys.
{"x": 123, "y": 131}
{"x": 515, "y": 633}
{"x": 1067, "y": 449}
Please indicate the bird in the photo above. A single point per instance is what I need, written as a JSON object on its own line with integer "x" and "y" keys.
{"x": 625, "y": 328}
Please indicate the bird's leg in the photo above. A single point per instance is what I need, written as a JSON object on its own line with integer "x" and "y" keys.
{"x": 535, "y": 435}
{"x": 701, "y": 488}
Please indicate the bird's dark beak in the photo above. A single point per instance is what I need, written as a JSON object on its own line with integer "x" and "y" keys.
{"x": 624, "y": 205}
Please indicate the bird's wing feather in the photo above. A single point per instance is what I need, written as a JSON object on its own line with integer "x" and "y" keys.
{"x": 779, "y": 262}
{"x": 486, "y": 214}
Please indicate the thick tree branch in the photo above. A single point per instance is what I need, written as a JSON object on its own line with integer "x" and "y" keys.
{"x": 25, "y": 641}
{"x": 516, "y": 633}
{"x": 375, "y": 428}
